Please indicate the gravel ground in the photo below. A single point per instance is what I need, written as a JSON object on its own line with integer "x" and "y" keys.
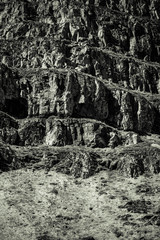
{"x": 40, "y": 206}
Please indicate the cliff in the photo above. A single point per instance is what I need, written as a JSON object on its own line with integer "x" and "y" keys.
{"x": 79, "y": 119}
{"x": 79, "y": 73}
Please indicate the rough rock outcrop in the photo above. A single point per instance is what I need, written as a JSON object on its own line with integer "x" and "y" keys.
{"x": 72, "y": 131}
{"x": 75, "y": 162}
{"x": 111, "y": 41}
{"x": 81, "y": 73}
{"x": 31, "y": 132}
{"x": 134, "y": 161}
{"x": 80, "y": 164}
{"x": 8, "y": 129}
{"x": 103, "y": 39}
{"x": 8, "y": 159}
{"x": 77, "y": 132}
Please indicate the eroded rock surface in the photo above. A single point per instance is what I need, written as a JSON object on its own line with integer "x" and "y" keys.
{"x": 80, "y": 73}
{"x": 8, "y": 129}
{"x": 79, "y": 119}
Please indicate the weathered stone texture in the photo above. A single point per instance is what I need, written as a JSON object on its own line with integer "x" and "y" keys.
{"x": 85, "y": 36}
{"x": 80, "y": 73}
{"x": 8, "y": 129}
{"x": 31, "y": 132}
{"x": 77, "y": 132}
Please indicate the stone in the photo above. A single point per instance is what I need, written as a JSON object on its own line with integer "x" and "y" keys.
{"x": 8, "y": 158}
{"x": 114, "y": 140}
{"x": 80, "y": 132}
{"x": 132, "y": 138}
{"x": 79, "y": 164}
{"x": 82, "y": 74}
{"x": 8, "y": 129}
{"x": 31, "y": 132}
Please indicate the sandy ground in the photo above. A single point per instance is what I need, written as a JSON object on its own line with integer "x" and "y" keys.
{"x": 40, "y": 206}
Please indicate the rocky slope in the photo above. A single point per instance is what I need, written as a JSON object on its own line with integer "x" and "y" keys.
{"x": 79, "y": 73}
{"x": 80, "y": 87}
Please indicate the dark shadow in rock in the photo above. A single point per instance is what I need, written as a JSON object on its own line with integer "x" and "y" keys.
{"x": 17, "y": 107}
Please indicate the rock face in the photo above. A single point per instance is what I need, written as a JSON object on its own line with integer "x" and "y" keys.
{"x": 79, "y": 164}
{"x": 134, "y": 160}
{"x": 78, "y": 132}
{"x": 31, "y": 132}
{"x": 8, "y": 129}
{"x": 8, "y": 158}
{"x": 82, "y": 73}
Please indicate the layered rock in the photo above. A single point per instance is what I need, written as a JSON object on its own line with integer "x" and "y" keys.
{"x": 68, "y": 95}
{"x": 109, "y": 40}
{"x": 71, "y": 94}
{"x": 80, "y": 73}
{"x": 77, "y": 132}
{"x": 74, "y": 94}
{"x": 72, "y": 131}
